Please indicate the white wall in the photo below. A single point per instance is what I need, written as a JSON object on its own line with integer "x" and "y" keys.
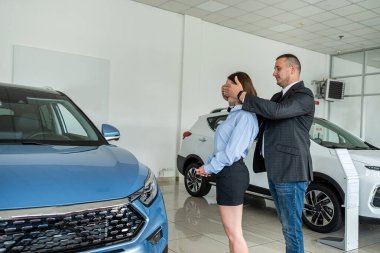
{"x": 158, "y": 59}
{"x": 212, "y": 52}
{"x": 143, "y": 45}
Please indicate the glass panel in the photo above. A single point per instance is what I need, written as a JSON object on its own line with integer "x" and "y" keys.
{"x": 346, "y": 114}
{"x": 372, "y": 84}
{"x": 373, "y": 61}
{"x": 352, "y": 85}
{"x": 347, "y": 64}
{"x": 72, "y": 124}
{"x": 371, "y": 122}
{"x": 330, "y": 135}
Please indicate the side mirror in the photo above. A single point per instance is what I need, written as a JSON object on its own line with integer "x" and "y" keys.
{"x": 110, "y": 132}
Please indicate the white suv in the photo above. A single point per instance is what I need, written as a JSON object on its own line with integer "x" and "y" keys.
{"x": 323, "y": 211}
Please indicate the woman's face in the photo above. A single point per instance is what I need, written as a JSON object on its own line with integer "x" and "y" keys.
{"x": 231, "y": 101}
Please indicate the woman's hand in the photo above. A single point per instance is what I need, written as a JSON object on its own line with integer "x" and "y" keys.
{"x": 201, "y": 171}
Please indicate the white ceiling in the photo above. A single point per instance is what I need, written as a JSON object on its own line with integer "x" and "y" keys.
{"x": 312, "y": 24}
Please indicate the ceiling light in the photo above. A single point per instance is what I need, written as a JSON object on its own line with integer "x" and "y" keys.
{"x": 212, "y": 6}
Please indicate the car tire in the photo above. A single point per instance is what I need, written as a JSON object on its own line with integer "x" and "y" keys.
{"x": 322, "y": 212}
{"x": 196, "y": 185}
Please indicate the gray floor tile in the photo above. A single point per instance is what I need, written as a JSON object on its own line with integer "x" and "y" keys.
{"x": 195, "y": 226}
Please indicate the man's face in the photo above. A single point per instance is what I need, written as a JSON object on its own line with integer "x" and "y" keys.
{"x": 282, "y": 72}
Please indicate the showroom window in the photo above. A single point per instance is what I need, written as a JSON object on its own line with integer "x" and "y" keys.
{"x": 357, "y": 113}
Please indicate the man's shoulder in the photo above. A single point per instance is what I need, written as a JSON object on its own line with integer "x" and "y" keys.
{"x": 301, "y": 88}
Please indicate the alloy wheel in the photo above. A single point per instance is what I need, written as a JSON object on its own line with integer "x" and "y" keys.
{"x": 319, "y": 209}
{"x": 193, "y": 180}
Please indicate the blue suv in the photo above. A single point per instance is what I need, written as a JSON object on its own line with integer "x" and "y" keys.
{"x": 64, "y": 188}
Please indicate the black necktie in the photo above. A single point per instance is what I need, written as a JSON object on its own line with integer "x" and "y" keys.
{"x": 279, "y": 97}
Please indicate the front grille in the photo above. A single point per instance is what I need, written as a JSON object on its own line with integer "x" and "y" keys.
{"x": 376, "y": 198}
{"x": 70, "y": 231}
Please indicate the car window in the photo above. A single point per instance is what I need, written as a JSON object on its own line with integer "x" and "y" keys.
{"x": 329, "y": 135}
{"x": 30, "y": 118}
{"x": 71, "y": 123}
{"x": 6, "y": 111}
{"x": 215, "y": 121}
{"x": 320, "y": 133}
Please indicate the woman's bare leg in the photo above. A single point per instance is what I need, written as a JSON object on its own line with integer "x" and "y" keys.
{"x": 231, "y": 219}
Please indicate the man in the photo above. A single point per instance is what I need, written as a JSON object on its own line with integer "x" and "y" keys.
{"x": 283, "y": 147}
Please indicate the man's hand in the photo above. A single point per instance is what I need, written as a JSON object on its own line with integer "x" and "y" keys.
{"x": 221, "y": 90}
{"x": 201, "y": 171}
{"x": 232, "y": 90}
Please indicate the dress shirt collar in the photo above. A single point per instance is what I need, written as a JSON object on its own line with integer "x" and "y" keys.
{"x": 236, "y": 107}
{"x": 284, "y": 90}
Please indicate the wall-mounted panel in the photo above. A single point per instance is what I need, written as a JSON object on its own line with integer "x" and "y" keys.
{"x": 85, "y": 79}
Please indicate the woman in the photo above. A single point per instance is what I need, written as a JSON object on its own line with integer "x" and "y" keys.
{"x": 233, "y": 139}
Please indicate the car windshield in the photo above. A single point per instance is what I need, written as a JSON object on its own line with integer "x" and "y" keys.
{"x": 329, "y": 135}
{"x": 35, "y": 118}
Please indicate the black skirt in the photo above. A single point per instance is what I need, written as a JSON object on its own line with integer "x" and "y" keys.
{"x": 231, "y": 184}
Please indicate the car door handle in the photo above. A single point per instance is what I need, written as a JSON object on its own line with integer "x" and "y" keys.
{"x": 202, "y": 139}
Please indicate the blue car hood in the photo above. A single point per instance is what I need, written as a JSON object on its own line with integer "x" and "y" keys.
{"x": 44, "y": 175}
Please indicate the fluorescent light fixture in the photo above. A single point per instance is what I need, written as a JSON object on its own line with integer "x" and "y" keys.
{"x": 212, "y": 6}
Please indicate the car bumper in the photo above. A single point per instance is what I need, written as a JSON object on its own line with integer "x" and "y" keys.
{"x": 369, "y": 220}
{"x": 369, "y": 194}
{"x": 180, "y": 164}
{"x": 156, "y": 220}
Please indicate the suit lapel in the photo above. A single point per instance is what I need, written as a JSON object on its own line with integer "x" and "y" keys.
{"x": 277, "y": 97}
{"x": 291, "y": 90}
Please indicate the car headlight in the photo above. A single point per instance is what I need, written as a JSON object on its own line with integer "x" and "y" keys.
{"x": 150, "y": 190}
{"x": 370, "y": 167}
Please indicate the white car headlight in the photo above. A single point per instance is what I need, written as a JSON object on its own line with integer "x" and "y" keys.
{"x": 372, "y": 167}
{"x": 150, "y": 190}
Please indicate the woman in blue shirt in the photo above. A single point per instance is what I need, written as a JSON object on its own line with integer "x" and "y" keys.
{"x": 233, "y": 139}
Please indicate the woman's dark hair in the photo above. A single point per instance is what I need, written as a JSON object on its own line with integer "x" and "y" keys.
{"x": 245, "y": 81}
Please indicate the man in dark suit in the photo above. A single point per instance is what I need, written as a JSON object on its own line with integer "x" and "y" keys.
{"x": 283, "y": 147}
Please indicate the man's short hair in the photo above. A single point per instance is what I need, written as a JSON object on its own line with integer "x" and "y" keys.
{"x": 291, "y": 60}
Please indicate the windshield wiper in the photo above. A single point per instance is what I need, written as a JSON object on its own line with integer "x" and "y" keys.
{"x": 349, "y": 148}
{"x": 32, "y": 143}
{"x": 371, "y": 146}
{"x": 359, "y": 148}
{"x": 333, "y": 146}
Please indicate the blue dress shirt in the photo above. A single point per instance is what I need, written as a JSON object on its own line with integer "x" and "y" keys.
{"x": 233, "y": 139}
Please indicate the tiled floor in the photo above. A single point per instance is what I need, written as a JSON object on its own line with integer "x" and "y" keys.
{"x": 195, "y": 226}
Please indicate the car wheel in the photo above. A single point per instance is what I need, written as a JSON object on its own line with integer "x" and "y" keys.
{"x": 322, "y": 211}
{"x": 196, "y": 185}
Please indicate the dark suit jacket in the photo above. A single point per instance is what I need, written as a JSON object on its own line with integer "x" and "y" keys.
{"x": 285, "y": 124}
